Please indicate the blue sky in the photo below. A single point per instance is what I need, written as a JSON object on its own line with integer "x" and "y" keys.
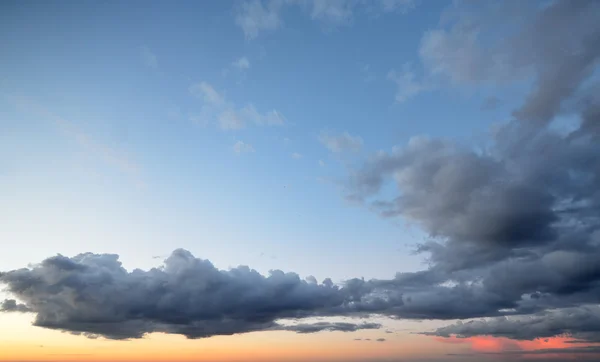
{"x": 121, "y": 74}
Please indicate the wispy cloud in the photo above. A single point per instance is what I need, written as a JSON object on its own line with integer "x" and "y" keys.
{"x": 296, "y": 156}
{"x": 340, "y": 143}
{"x": 242, "y": 63}
{"x": 218, "y": 109}
{"x": 241, "y": 147}
{"x": 148, "y": 57}
{"x": 407, "y": 85}
{"x": 256, "y": 16}
{"x": 109, "y": 155}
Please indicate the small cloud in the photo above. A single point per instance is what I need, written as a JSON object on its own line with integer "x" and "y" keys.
{"x": 242, "y": 147}
{"x": 148, "y": 57}
{"x": 254, "y": 17}
{"x": 408, "y": 87}
{"x": 286, "y": 140}
{"x": 380, "y": 340}
{"x": 207, "y": 93}
{"x": 230, "y": 120}
{"x": 340, "y": 143}
{"x": 321, "y": 163}
{"x": 242, "y": 63}
{"x": 296, "y": 156}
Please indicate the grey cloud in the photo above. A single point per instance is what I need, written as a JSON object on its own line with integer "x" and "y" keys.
{"x": 380, "y": 340}
{"x": 329, "y": 326}
{"x": 94, "y": 295}
{"x": 11, "y": 305}
{"x": 513, "y": 228}
{"x": 341, "y": 142}
{"x": 579, "y": 323}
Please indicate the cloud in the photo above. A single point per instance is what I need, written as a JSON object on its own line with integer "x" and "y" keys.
{"x": 408, "y": 87}
{"x": 93, "y": 295}
{"x": 257, "y": 16}
{"x": 241, "y": 147}
{"x": 340, "y": 143}
{"x": 380, "y": 340}
{"x": 148, "y": 57}
{"x": 321, "y": 163}
{"x": 11, "y": 305}
{"x": 296, "y": 156}
{"x": 330, "y": 326}
{"x": 105, "y": 153}
{"x": 218, "y": 109}
{"x": 514, "y": 228}
{"x": 581, "y": 323}
{"x": 242, "y": 63}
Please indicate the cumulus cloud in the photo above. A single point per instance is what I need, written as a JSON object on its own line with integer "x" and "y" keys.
{"x": 340, "y": 143}
{"x": 92, "y": 294}
{"x": 216, "y": 108}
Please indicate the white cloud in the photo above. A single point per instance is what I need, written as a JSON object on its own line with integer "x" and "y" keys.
{"x": 242, "y": 63}
{"x": 255, "y": 16}
{"x": 148, "y": 57}
{"x": 230, "y": 120}
{"x": 340, "y": 143}
{"x": 208, "y": 93}
{"x": 321, "y": 163}
{"x": 262, "y": 15}
{"x": 217, "y": 109}
{"x": 296, "y": 156}
{"x": 408, "y": 87}
{"x": 241, "y": 147}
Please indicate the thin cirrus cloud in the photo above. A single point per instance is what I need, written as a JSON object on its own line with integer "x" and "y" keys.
{"x": 216, "y": 109}
{"x": 257, "y": 16}
{"x": 148, "y": 57}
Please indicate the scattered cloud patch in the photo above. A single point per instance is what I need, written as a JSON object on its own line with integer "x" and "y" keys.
{"x": 224, "y": 113}
{"x": 296, "y": 156}
{"x": 257, "y": 16}
{"x": 321, "y": 163}
{"x": 241, "y": 147}
{"x": 341, "y": 142}
{"x": 242, "y": 63}
{"x": 407, "y": 85}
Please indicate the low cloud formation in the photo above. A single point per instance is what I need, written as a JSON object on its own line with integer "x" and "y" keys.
{"x": 92, "y": 294}
{"x": 327, "y": 326}
{"x": 340, "y": 143}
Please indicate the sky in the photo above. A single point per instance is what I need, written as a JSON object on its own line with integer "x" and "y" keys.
{"x": 300, "y": 180}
